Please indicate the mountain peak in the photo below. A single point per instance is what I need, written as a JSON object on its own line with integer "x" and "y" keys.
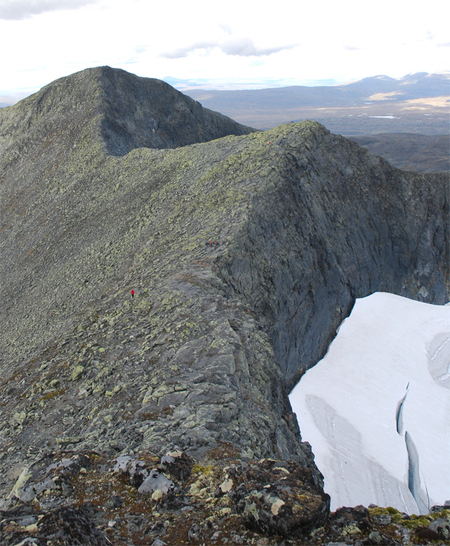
{"x": 118, "y": 110}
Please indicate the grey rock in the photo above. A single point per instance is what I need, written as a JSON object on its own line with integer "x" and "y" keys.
{"x": 357, "y": 225}
{"x": 150, "y": 113}
{"x": 193, "y": 532}
{"x": 113, "y": 502}
{"x": 135, "y": 469}
{"x": 441, "y": 526}
{"x": 123, "y": 463}
{"x": 375, "y": 537}
{"x": 29, "y": 520}
{"x": 156, "y": 481}
{"x": 383, "y": 519}
{"x": 159, "y": 542}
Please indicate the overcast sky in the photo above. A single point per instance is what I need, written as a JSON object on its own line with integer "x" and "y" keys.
{"x": 240, "y": 42}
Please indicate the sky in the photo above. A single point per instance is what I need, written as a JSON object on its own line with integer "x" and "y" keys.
{"x": 228, "y": 44}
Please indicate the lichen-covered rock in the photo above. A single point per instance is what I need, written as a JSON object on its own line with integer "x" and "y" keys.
{"x": 222, "y": 500}
{"x": 71, "y": 526}
{"x": 279, "y": 498}
{"x": 61, "y": 527}
{"x": 178, "y": 465}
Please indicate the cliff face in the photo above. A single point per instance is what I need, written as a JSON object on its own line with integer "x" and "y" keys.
{"x": 244, "y": 253}
{"x": 150, "y": 113}
{"x": 337, "y": 224}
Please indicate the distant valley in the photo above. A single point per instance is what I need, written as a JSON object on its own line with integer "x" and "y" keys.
{"x": 418, "y": 103}
{"x": 408, "y": 151}
{"x": 370, "y": 111}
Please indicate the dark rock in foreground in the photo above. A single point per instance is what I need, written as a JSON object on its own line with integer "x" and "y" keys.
{"x": 86, "y": 498}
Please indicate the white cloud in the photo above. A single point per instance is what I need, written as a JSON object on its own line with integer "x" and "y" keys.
{"x": 181, "y": 52}
{"x": 241, "y": 47}
{"x": 245, "y": 47}
{"x": 23, "y": 9}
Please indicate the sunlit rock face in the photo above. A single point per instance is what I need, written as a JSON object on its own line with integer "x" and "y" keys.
{"x": 376, "y": 408}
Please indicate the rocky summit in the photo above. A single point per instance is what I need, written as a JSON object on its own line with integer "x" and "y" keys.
{"x": 167, "y": 276}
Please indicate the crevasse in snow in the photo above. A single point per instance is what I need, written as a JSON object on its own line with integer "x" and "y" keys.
{"x": 376, "y": 408}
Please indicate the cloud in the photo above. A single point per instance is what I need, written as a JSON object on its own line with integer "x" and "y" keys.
{"x": 184, "y": 51}
{"x": 240, "y": 47}
{"x": 244, "y": 47}
{"x": 23, "y": 9}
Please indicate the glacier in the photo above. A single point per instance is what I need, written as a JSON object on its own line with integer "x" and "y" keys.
{"x": 376, "y": 408}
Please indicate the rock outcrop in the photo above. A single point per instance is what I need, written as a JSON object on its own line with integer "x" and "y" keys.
{"x": 87, "y": 498}
{"x": 244, "y": 253}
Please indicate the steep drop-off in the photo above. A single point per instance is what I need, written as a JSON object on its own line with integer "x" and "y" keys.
{"x": 339, "y": 224}
{"x": 244, "y": 252}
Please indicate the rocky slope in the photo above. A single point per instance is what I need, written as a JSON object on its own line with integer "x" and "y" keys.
{"x": 244, "y": 252}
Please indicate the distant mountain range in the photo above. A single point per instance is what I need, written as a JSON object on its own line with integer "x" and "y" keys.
{"x": 413, "y": 86}
{"x": 406, "y": 121}
{"x": 417, "y": 103}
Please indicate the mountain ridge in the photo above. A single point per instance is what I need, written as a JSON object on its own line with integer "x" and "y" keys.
{"x": 245, "y": 254}
{"x": 409, "y": 87}
{"x": 401, "y": 114}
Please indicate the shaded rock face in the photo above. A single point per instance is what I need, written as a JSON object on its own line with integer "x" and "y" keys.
{"x": 339, "y": 224}
{"x": 150, "y": 113}
{"x": 244, "y": 253}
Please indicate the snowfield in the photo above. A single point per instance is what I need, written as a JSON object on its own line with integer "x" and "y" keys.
{"x": 376, "y": 408}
